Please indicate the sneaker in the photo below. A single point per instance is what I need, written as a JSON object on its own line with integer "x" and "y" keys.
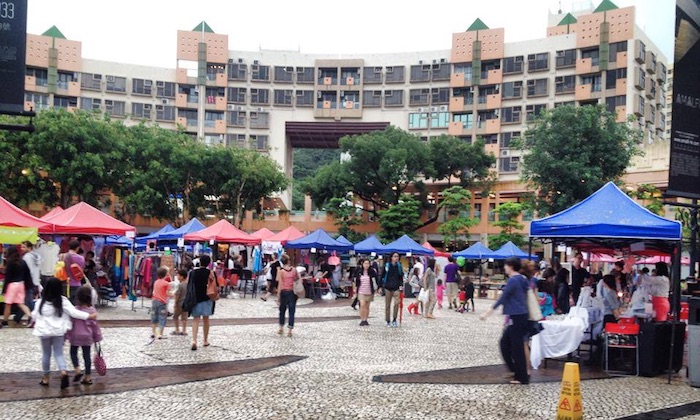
{"x": 362, "y": 323}
{"x": 388, "y": 324}
{"x": 394, "y": 324}
{"x": 366, "y": 324}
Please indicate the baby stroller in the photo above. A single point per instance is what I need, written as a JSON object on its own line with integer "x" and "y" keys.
{"x": 105, "y": 292}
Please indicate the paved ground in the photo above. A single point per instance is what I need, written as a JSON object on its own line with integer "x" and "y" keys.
{"x": 334, "y": 380}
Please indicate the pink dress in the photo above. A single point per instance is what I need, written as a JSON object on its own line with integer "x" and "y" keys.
{"x": 440, "y": 292}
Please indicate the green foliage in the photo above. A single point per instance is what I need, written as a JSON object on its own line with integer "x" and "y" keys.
{"x": 402, "y": 218}
{"x": 306, "y": 164}
{"x": 650, "y": 196}
{"x": 508, "y": 214}
{"x": 454, "y": 158}
{"x": 345, "y": 215}
{"x": 456, "y": 201}
{"x": 572, "y": 152}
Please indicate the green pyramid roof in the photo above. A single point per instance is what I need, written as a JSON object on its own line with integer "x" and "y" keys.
{"x": 569, "y": 19}
{"x": 478, "y": 25}
{"x": 605, "y": 6}
{"x": 203, "y": 27}
{"x": 53, "y": 32}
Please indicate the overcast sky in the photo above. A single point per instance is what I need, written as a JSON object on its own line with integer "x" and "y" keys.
{"x": 144, "y": 31}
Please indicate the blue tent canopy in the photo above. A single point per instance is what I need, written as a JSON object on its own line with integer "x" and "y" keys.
{"x": 404, "y": 245}
{"x": 318, "y": 239}
{"x": 116, "y": 240}
{"x": 142, "y": 240}
{"x": 369, "y": 245}
{"x": 607, "y": 213}
{"x": 509, "y": 250}
{"x": 475, "y": 252}
{"x": 192, "y": 226}
{"x": 343, "y": 240}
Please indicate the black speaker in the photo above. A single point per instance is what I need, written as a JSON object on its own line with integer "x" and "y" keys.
{"x": 655, "y": 347}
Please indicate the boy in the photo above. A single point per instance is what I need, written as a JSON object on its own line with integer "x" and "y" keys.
{"x": 159, "y": 312}
{"x": 179, "y": 296}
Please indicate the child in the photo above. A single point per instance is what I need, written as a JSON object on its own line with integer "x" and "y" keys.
{"x": 83, "y": 335}
{"x": 469, "y": 289}
{"x": 179, "y": 296}
{"x": 159, "y": 304}
{"x": 439, "y": 293}
{"x": 52, "y": 315}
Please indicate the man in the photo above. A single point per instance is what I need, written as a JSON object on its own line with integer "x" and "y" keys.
{"x": 70, "y": 258}
{"x": 392, "y": 282}
{"x": 578, "y": 276}
{"x": 451, "y": 282}
{"x": 33, "y": 260}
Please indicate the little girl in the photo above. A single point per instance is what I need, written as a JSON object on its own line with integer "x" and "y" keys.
{"x": 52, "y": 314}
{"x": 439, "y": 293}
{"x": 83, "y": 335}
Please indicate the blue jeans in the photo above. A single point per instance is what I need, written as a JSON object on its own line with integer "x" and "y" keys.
{"x": 49, "y": 344}
{"x": 287, "y": 300}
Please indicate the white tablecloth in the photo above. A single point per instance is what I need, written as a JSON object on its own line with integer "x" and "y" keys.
{"x": 558, "y": 338}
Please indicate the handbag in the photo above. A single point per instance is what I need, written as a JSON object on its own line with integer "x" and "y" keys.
{"x": 424, "y": 295}
{"x": 212, "y": 287}
{"x": 190, "y": 300}
{"x": 534, "y": 311}
{"x": 334, "y": 259}
{"x": 99, "y": 361}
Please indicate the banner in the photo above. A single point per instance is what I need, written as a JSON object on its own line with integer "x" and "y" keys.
{"x": 684, "y": 170}
{"x": 16, "y": 235}
{"x": 13, "y": 45}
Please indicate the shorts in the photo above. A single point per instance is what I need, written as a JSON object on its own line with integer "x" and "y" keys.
{"x": 178, "y": 312}
{"x": 15, "y": 293}
{"x": 159, "y": 313}
{"x": 205, "y": 308}
{"x": 365, "y": 298}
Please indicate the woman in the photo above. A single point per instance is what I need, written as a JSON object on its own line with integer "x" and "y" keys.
{"x": 271, "y": 276}
{"x": 562, "y": 291}
{"x": 545, "y": 292}
{"x": 366, "y": 280}
{"x": 658, "y": 287}
{"x": 429, "y": 278}
{"x": 286, "y": 299}
{"x": 514, "y": 302}
{"x": 18, "y": 280}
{"x": 611, "y": 303}
{"x": 204, "y": 308}
{"x": 415, "y": 283}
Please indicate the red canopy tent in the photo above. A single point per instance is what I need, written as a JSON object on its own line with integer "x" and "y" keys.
{"x": 84, "y": 219}
{"x": 52, "y": 213}
{"x": 10, "y": 215}
{"x": 223, "y": 231}
{"x": 427, "y": 245}
{"x": 289, "y": 234}
{"x": 263, "y": 234}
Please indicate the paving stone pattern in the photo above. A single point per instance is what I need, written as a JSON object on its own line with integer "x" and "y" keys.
{"x": 334, "y": 381}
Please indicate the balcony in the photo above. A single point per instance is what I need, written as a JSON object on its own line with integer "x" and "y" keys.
{"x": 492, "y": 126}
{"x": 621, "y": 60}
{"x": 587, "y": 91}
{"x": 493, "y": 101}
{"x": 620, "y": 87}
{"x": 182, "y": 78}
{"x": 183, "y": 100}
{"x": 218, "y": 79}
{"x": 494, "y": 77}
{"x": 457, "y": 104}
{"x": 218, "y": 104}
{"x": 68, "y": 88}
{"x": 621, "y": 113}
{"x": 460, "y": 80}
{"x": 458, "y": 128}
{"x": 585, "y": 66}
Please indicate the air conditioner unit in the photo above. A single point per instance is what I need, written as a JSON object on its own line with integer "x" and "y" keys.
{"x": 505, "y": 153}
{"x": 300, "y": 70}
{"x": 240, "y": 60}
{"x": 231, "y": 107}
{"x": 261, "y": 109}
{"x": 443, "y": 60}
{"x": 110, "y": 78}
{"x": 289, "y": 69}
{"x": 148, "y": 82}
{"x": 420, "y": 61}
{"x": 96, "y": 77}
{"x": 166, "y": 101}
{"x": 519, "y": 59}
{"x": 159, "y": 107}
{"x": 443, "y": 108}
{"x": 255, "y": 62}
{"x": 160, "y": 83}
{"x": 147, "y": 106}
{"x": 421, "y": 109}
{"x": 240, "y": 108}
{"x": 433, "y": 109}
{"x": 434, "y": 61}
{"x": 377, "y": 69}
{"x": 230, "y": 60}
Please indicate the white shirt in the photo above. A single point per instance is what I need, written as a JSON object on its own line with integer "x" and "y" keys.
{"x": 420, "y": 267}
{"x": 49, "y": 256}
{"x": 48, "y": 324}
{"x": 33, "y": 260}
{"x": 656, "y": 285}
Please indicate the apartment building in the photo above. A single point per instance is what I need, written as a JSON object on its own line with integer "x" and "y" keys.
{"x": 275, "y": 101}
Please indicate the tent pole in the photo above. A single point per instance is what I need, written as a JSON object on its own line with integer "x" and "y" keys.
{"x": 676, "y": 300}
{"x": 529, "y": 249}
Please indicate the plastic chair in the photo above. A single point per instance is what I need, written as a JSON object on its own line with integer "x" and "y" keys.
{"x": 247, "y": 279}
{"x": 623, "y": 337}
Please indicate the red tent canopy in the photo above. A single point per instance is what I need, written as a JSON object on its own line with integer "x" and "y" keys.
{"x": 263, "y": 234}
{"x": 52, "y": 213}
{"x": 289, "y": 234}
{"x": 223, "y": 231}
{"x": 426, "y": 244}
{"x": 82, "y": 218}
{"x": 10, "y": 215}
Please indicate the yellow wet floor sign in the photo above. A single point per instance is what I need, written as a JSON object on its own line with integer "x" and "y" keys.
{"x": 570, "y": 405}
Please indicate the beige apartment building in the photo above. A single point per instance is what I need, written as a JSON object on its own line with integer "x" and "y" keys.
{"x": 275, "y": 101}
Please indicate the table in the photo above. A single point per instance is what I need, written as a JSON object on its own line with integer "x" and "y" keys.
{"x": 557, "y": 339}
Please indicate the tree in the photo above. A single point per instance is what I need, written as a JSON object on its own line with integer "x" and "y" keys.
{"x": 345, "y": 217}
{"x": 402, "y": 218}
{"x": 650, "y": 196}
{"x": 306, "y": 164}
{"x": 456, "y": 201}
{"x": 508, "y": 214}
{"x": 454, "y": 158}
{"x": 572, "y": 152}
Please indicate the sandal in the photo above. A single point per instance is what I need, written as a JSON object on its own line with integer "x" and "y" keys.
{"x": 64, "y": 381}
{"x": 44, "y": 382}
{"x": 194, "y": 347}
{"x": 77, "y": 377}
{"x": 86, "y": 382}
{"x": 206, "y": 344}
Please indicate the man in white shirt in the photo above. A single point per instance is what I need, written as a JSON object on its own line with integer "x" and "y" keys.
{"x": 33, "y": 261}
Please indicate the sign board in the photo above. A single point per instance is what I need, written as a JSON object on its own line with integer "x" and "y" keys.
{"x": 684, "y": 170}
{"x": 13, "y": 45}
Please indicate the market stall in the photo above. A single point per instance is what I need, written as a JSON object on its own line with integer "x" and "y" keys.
{"x": 368, "y": 246}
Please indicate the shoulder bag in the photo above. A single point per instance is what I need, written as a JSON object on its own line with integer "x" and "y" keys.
{"x": 533, "y": 305}
{"x": 212, "y": 287}
{"x": 299, "y": 286}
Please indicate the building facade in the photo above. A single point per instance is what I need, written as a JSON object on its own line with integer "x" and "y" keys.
{"x": 480, "y": 87}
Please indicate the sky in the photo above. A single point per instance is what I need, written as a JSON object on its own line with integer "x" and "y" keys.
{"x": 144, "y": 31}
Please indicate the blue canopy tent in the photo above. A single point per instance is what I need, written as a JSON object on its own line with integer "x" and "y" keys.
{"x": 343, "y": 240}
{"x": 153, "y": 236}
{"x": 319, "y": 239}
{"x": 120, "y": 241}
{"x": 509, "y": 249}
{"x": 475, "y": 252}
{"x": 404, "y": 245}
{"x": 192, "y": 226}
{"x": 369, "y": 245}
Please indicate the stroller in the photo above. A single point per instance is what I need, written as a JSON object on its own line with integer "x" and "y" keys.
{"x": 105, "y": 292}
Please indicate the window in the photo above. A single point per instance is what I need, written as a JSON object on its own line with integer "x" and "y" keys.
{"x": 65, "y": 102}
{"x": 566, "y": 58}
{"x": 211, "y": 93}
{"x": 528, "y": 214}
{"x": 441, "y": 72}
{"x": 506, "y": 165}
{"x": 477, "y": 211}
{"x": 651, "y": 116}
{"x": 165, "y": 113}
{"x": 565, "y": 84}
{"x": 466, "y": 69}
{"x": 328, "y": 76}
{"x": 259, "y": 141}
{"x": 139, "y": 110}
{"x": 41, "y": 78}
{"x": 393, "y": 98}
{"x": 259, "y": 97}
{"x": 237, "y": 71}
{"x": 64, "y": 78}
{"x": 513, "y": 65}
{"x": 537, "y": 87}
{"x": 507, "y": 138}
{"x": 214, "y": 69}
{"x": 439, "y": 119}
{"x": 190, "y": 116}
{"x": 259, "y": 120}
{"x": 440, "y": 96}
{"x": 211, "y": 117}
{"x": 467, "y": 120}
{"x": 487, "y": 66}
{"x": 236, "y": 95}
{"x": 510, "y": 115}
{"x": 593, "y": 54}
{"x": 116, "y": 84}
{"x": 283, "y": 97}
{"x": 165, "y": 89}
{"x": 115, "y": 108}
{"x": 350, "y": 99}
{"x": 141, "y": 87}
{"x": 420, "y": 73}
{"x": 641, "y": 52}
{"x": 615, "y": 48}
{"x": 613, "y": 75}
{"x": 305, "y": 98}
{"x": 492, "y": 212}
{"x": 326, "y": 100}
{"x": 372, "y": 75}
{"x": 259, "y": 73}
{"x": 641, "y": 79}
{"x": 489, "y": 138}
{"x": 284, "y": 74}
{"x": 594, "y": 81}
{"x": 350, "y": 76}
{"x": 532, "y": 111}
{"x": 236, "y": 140}
{"x": 86, "y": 104}
{"x": 565, "y": 103}
{"x": 371, "y": 98}
{"x": 417, "y": 120}
{"x": 512, "y": 90}
{"x": 394, "y": 74}
{"x": 305, "y": 75}
{"x": 235, "y": 118}
{"x": 639, "y": 110}
{"x": 537, "y": 62}
{"x": 418, "y": 97}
